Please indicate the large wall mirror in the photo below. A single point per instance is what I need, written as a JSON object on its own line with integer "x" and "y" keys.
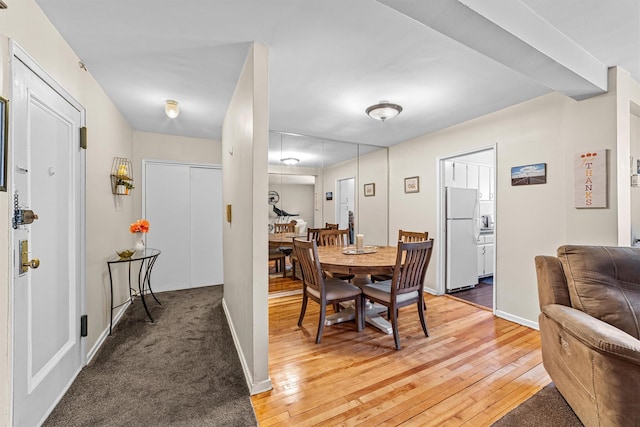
{"x": 317, "y": 181}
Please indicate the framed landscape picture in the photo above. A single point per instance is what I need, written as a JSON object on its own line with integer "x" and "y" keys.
{"x": 529, "y": 174}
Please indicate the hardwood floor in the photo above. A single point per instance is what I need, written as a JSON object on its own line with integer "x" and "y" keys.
{"x": 481, "y": 295}
{"x": 471, "y": 370}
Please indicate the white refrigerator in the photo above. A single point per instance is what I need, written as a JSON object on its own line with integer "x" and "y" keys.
{"x": 462, "y": 234}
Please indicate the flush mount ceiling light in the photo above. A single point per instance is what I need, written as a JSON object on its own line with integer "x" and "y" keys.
{"x": 171, "y": 108}
{"x": 290, "y": 161}
{"x": 384, "y": 110}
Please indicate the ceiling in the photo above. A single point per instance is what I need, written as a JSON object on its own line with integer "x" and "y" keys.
{"x": 444, "y": 61}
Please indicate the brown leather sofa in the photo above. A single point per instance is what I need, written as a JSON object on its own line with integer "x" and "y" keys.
{"x": 590, "y": 326}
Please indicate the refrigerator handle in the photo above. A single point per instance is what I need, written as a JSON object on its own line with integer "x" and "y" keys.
{"x": 476, "y": 221}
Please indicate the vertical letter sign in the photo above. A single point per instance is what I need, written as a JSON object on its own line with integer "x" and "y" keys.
{"x": 591, "y": 179}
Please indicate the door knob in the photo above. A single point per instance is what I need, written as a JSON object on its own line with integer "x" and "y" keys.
{"x": 34, "y": 263}
{"x": 25, "y": 263}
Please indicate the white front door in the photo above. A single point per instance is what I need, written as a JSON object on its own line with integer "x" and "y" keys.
{"x": 47, "y": 174}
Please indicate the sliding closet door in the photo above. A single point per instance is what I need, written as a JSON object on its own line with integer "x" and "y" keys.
{"x": 166, "y": 194}
{"x": 206, "y": 226}
{"x": 183, "y": 204}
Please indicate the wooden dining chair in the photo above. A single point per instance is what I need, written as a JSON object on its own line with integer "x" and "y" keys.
{"x": 312, "y": 234}
{"x": 403, "y": 236}
{"x": 335, "y": 237}
{"x": 407, "y": 285}
{"x": 331, "y": 226}
{"x": 279, "y": 258}
{"x": 324, "y": 291}
{"x": 289, "y": 227}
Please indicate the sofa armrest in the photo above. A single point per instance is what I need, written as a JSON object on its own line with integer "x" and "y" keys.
{"x": 594, "y": 333}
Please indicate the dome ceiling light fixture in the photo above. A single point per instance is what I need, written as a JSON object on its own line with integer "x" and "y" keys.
{"x": 171, "y": 108}
{"x": 290, "y": 161}
{"x": 383, "y": 111}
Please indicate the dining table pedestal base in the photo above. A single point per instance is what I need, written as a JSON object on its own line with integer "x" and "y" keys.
{"x": 372, "y": 316}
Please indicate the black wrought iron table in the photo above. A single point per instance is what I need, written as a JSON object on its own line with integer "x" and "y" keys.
{"x": 147, "y": 259}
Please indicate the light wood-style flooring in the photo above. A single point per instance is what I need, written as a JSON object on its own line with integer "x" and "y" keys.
{"x": 471, "y": 370}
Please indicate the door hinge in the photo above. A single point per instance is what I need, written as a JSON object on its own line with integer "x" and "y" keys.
{"x": 83, "y": 325}
{"x": 83, "y": 137}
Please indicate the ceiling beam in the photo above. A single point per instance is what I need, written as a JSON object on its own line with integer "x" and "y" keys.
{"x": 510, "y": 33}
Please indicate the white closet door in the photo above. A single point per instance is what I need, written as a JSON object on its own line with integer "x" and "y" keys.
{"x": 206, "y": 226}
{"x": 167, "y": 202}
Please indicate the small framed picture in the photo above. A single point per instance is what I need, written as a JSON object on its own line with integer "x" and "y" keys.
{"x": 412, "y": 184}
{"x": 370, "y": 189}
{"x": 329, "y": 195}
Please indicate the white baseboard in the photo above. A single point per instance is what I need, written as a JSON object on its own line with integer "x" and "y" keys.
{"x": 518, "y": 320}
{"x": 254, "y": 388}
{"x": 103, "y": 336}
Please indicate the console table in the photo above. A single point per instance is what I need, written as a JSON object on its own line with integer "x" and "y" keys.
{"x": 147, "y": 259}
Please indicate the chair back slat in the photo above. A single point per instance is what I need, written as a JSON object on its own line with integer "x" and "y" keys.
{"x": 314, "y": 234}
{"x": 284, "y": 228}
{"x": 333, "y": 237}
{"x": 412, "y": 236}
{"x": 411, "y": 266}
{"x": 307, "y": 254}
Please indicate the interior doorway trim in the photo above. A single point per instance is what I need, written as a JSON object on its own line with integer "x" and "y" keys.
{"x": 441, "y": 216}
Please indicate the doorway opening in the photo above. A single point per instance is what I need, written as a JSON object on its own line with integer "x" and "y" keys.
{"x": 468, "y": 219}
{"x": 345, "y": 206}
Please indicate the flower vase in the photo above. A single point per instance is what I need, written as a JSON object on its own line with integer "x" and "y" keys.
{"x": 139, "y": 247}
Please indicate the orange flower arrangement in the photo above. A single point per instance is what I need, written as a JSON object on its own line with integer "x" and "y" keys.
{"x": 140, "y": 226}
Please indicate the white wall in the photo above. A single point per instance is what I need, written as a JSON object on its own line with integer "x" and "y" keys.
{"x": 530, "y": 220}
{"x": 109, "y": 135}
{"x": 245, "y": 136}
{"x": 295, "y": 198}
{"x": 372, "y": 213}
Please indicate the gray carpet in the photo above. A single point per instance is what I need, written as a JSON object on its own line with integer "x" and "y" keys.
{"x": 546, "y": 408}
{"x": 182, "y": 370}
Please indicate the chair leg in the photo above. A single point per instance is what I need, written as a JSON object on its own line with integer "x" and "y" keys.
{"x": 283, "y": 262}
{"x": 423, "y": 321}
{"x": 303, "y": 309}
{"x": 323, "y": 314}
{"x": 394, "y": 325}
{"x": 359, "y": 313}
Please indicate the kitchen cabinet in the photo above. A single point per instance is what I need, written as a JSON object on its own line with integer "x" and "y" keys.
{"x": 486, "y": 186}
{"x": 455, "y": 174}
{"x": 473, "y": 176}
{"x": 485, "y": 255}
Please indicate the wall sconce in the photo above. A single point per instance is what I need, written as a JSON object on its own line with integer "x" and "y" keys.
{"x": 171, "y": 108}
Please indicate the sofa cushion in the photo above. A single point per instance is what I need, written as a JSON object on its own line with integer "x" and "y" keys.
{"x": 604, "y": 282}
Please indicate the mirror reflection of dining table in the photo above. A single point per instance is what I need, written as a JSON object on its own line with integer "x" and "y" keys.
{"x": 284, "y": 242}
{"x": 347, "y": 260}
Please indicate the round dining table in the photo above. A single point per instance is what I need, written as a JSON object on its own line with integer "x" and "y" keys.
{"x": 347, "y": 260}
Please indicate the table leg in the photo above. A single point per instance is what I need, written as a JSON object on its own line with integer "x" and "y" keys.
{"x": 111, "y": 288}
{"x": 141, "y": 290}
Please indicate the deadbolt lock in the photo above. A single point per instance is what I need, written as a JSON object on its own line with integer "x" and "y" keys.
{"x": 25, "y": 263}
